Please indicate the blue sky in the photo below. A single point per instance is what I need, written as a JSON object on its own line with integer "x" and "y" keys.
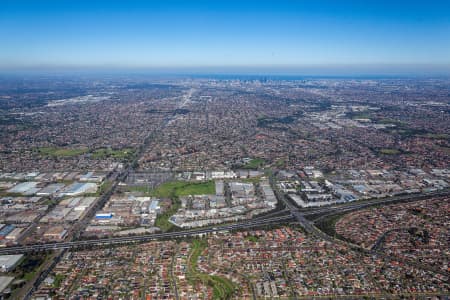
{"x": 183, "y": 34}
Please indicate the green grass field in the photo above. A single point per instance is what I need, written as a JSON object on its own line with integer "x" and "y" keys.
{"x": 58, "y": 279}
{"x": 173, "y": 190}
{"x": 252, "y": 238}
{"x": 162, "y": 220}
{"x": 122, "y": 154}
{"x": 222, "y": 287}
{"x": 62, "y": 152}
{"x": 183, "y": 188}
{"x": 6, "y": 194}
{"x": 176, "y": 188}
{"x": 254, "y": 163}
{"x": 389, "y": 151}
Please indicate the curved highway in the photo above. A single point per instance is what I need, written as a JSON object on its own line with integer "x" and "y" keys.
{"x": 294, "y": 214}
{"x": 142, "y": 238}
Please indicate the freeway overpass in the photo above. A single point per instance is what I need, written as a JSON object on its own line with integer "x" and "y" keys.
{"x": 142, "y": 238}
{"x": 319, "y": 213}
{"x": 305, "y": 218}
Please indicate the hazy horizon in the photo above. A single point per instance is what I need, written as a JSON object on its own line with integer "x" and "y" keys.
{"x": 295, "y": 37}
{"x": 307, "y": 70}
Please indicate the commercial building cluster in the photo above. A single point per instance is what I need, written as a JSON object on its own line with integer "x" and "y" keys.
{"x": 233, "y": 201}
{"x": 309, "y": 187}
{"x": 39, "y": 207}
{"x": 125, "y": 214}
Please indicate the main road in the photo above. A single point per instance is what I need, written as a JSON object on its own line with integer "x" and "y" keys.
{"x": 143, "y": 238}
{"x": 310, "y": 227}
{"x": 290, "y": 214}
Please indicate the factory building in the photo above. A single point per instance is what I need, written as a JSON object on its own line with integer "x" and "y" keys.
{"x": 9, "y": 262}
{"x": 103, "y": 216}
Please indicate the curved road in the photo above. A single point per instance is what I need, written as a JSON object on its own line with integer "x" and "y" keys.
{"x": 300, "y": 216}
{"x": 141, "y": 238}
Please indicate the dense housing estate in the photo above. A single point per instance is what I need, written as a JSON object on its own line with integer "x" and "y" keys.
{"x": 337, "y": 188}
